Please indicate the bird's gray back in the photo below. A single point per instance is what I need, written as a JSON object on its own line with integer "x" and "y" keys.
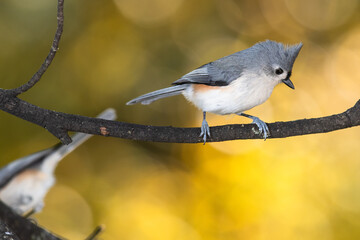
{"x": 217, "y": 73}
{"x": 256, "y": 59}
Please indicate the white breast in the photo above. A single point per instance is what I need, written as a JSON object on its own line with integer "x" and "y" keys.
{"x": 240, "y": 95}
{"x": 27, "y": 190}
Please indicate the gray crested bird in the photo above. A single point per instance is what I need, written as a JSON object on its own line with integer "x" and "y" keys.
{"x": 25, "y": 182}
{"x": 235, "y": 83}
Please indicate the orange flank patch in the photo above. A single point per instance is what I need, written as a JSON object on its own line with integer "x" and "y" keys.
{"x": 29, "y": 174}
{"x": 204, "y": 88}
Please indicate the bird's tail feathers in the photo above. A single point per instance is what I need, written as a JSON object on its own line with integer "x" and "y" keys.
{"x": 60, "y": 151}
{"x": 162, "y": 93}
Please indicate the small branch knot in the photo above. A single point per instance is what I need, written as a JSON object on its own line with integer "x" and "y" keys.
{"x": 61, "y": 134}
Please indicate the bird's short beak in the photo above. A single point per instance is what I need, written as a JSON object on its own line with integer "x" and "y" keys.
{"x": 288, "y": 83}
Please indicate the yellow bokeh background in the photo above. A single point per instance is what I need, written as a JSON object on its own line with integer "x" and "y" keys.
{"x": 305, "y": 187}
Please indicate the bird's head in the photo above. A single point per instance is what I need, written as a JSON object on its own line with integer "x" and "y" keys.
{"x": 277, "y": 60}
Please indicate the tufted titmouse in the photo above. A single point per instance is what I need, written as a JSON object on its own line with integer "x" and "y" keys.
{"x": 235, "y": 83}
{"x": 25, "y": 181}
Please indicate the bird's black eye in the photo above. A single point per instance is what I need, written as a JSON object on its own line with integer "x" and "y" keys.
{"x": 279, "y": 71}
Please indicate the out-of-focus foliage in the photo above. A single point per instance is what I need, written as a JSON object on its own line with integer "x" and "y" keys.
{"x": 297, "y": 188}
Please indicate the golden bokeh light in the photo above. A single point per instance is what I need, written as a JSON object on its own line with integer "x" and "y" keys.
{"x": 134, "y": 211}
{"x": 321, "y": 14}
{"x": 148, "y": 11}
{"x": 280, "y": 19}
{"x": 34, "y": 5}
{"x": 342, "y": 67}
{"x": 72, "y": 214}
{"x": 244, "y": 17}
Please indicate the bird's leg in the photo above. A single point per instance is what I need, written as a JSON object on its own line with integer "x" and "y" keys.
{"x": 263, "y": 128}
{"x": 205, "y": 130}
{"x": 38, "y": 207}
{"x": 95, "y": 233}
{"x": 30, "y": 213}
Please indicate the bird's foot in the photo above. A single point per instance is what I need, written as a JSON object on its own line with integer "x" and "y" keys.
{"x": 263, "y": 128}
{"x": 205, "y": 130}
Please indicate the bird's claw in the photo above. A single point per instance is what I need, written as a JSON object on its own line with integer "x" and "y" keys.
{"x": 205, "y": 130}
{"x": 263, "y": 128}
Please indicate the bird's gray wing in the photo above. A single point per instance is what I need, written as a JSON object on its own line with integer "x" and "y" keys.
{"x": 218, "y": 73}
{"x": 10, "y": 170}
{"x": 199, "y": 75}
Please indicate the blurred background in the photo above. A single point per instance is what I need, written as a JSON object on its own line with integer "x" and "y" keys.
{"x": 305, "y": 187}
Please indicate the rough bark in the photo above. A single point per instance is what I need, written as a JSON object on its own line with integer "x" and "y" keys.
{"x": 60, "y": 123}
{"x": 13, "y": 226}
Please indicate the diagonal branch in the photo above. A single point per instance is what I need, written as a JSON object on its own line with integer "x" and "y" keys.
{"x": 60, "y": 123}
{"x": 22, "y": 227}
{"x": 55, "y": 46}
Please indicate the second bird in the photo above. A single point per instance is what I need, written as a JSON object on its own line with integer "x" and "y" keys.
{"x": 235, "y": 83}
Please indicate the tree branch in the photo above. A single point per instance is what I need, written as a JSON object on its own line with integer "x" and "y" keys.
{"x": 20, "y": 227}
{"x": 60, "y": 123}
{"x": 55, "y": 46}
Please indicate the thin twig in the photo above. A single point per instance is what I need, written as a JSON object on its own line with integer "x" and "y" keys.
{"x": 95, "y": 233}
{"x": 55, "y": 46}
{"x": 30, "y": 213}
